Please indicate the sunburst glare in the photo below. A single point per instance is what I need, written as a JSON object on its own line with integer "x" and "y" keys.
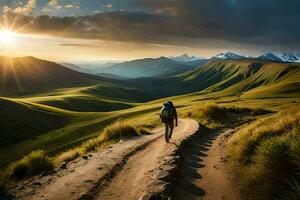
{"x": 7, "y": 37}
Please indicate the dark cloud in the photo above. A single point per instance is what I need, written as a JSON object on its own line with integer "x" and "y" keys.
{"x": 257, "y": 22}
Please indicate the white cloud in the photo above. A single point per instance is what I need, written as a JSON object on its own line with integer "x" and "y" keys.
{"x": 53, "y": 3}
{"x": 46, "y": 10}
{"x": 23, "y": 10}
{"x": 69, "y": 6}
{"x": 108, "y": 5}
{"x": 6, "y": 9}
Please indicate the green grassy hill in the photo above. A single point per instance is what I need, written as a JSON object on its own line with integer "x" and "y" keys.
{"x": 149, "y": 67}
{"x": 97, "y": 98}
{"x": 20, "y": 121}
{"x": 277, "y": 90}
{"x": 62, "y": 117}
{"x": 78, "y": 127}
{"x": 275, "y": 76}
{"x": 51, "y": 84}
{"x": 235, "y": 77}
{"x": 225, "y": 77}
{"x": 28, "y": 75}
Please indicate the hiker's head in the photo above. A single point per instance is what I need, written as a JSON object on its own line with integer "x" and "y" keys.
{"x": 168, "y": 103}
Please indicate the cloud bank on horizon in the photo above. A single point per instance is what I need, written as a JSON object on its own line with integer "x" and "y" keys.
{"x": 196, "y": 23}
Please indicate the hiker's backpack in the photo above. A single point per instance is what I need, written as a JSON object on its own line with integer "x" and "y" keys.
{"x": 166, "y": 113}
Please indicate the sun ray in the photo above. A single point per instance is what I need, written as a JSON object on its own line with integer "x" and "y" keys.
{"x": 15, "y": 74}
{"x": 7, "y": 37}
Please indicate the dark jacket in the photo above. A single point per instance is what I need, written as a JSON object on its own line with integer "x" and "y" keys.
{"x": 174, "y": 111}
{"x": 175, "y": 114}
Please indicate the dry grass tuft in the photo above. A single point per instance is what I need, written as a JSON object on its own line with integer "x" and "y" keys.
{"x": 216, "y": 116}
{"x": 113, "y": 133}
{"x": 35, "y": 163}
{"x": 38, "y": 162}
{"x": 268, "y": 153}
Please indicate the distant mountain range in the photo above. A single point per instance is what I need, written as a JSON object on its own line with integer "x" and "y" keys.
{"x": 88, "y": 68}
{"x": 151, "y": 67}
{"x": 228, "y": 56}
{"x": 269, "y": 56}
{"x": 29, "y": 75}
{"x": 186, "y": 58}
{"x": 170, "y": 66}
{"x": 280, "y": 57}
{"x": 76, "y": 68}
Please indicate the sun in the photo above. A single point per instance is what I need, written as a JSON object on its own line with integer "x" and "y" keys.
{"x": 7, "y": 37}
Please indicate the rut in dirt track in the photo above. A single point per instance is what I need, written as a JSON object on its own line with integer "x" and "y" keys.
{"x": 125, "y": 171}
{"x": 203, "y": 173}
{"x": 122, "y": 171}
{"x": 131, "y": 181}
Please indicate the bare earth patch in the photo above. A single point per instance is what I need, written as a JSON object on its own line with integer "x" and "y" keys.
{"x": 120, "y": 172}
{"x": 203, "y": 171}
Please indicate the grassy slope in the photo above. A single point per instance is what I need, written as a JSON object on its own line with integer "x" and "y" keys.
{"x": 280, "y": 90}
{"x": 28, "y": 75}
{"x": 81, "y": 126}
{"x": 85, "y": 125}
{"x": 266, "y": 157}
{"x": 225, "y": 77}
{"x": 236, "y": 77}
{"x": 51, "y": 84}
{"x": 98, "y": 98}
{"x": 19, "y": 120}
{"x": 269, "y": 75}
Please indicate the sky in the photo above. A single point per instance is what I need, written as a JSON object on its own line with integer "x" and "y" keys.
{"x": 91, "y": 30}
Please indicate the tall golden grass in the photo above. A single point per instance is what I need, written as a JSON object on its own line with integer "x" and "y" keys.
{"x": 113, "y": 133}
{"x": 217, "y": 116}
{"x": 268, "y": 155}
{"x": 34, "y": 163}
{"x": 38, "y": 162}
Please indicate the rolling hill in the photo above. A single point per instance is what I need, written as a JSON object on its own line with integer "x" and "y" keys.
{"x": 27, "y": 75}
{"x": 151, "y": 67}
{"x": 97, "y": 98}
{"x": 63, "y": 111}
{"x": 20, "y": 121}
{"x": 269, "y": 74}
{"x": 230, "y": 77}
{"x": 48, "y": 83}
{"x": 76, "y": 68}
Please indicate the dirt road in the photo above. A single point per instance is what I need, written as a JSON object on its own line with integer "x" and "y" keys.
{"x": 120, "y": 172}
{"x": 203, "y": 171}
{"x": 131, "y": 182}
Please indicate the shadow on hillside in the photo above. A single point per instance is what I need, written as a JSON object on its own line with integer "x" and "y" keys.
{"x": 192, "y": 153}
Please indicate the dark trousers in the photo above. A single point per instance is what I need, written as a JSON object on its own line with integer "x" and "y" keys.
{"x": 171, "y": 122}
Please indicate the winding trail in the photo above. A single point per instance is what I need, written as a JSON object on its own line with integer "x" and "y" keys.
{"x": 132, "y": 181}
{"x": 125, "y": 171}
{"x": 120, "y": 172}
{"x": 203, "y": 171}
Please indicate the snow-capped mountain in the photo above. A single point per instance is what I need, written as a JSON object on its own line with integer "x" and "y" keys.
{"x": 186, "y": 58}
{"x": 269, "y": 56}
{"x": 280, "y": 57}
{"x": 298, "y": 57}
{"x": 229, "y": 56}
